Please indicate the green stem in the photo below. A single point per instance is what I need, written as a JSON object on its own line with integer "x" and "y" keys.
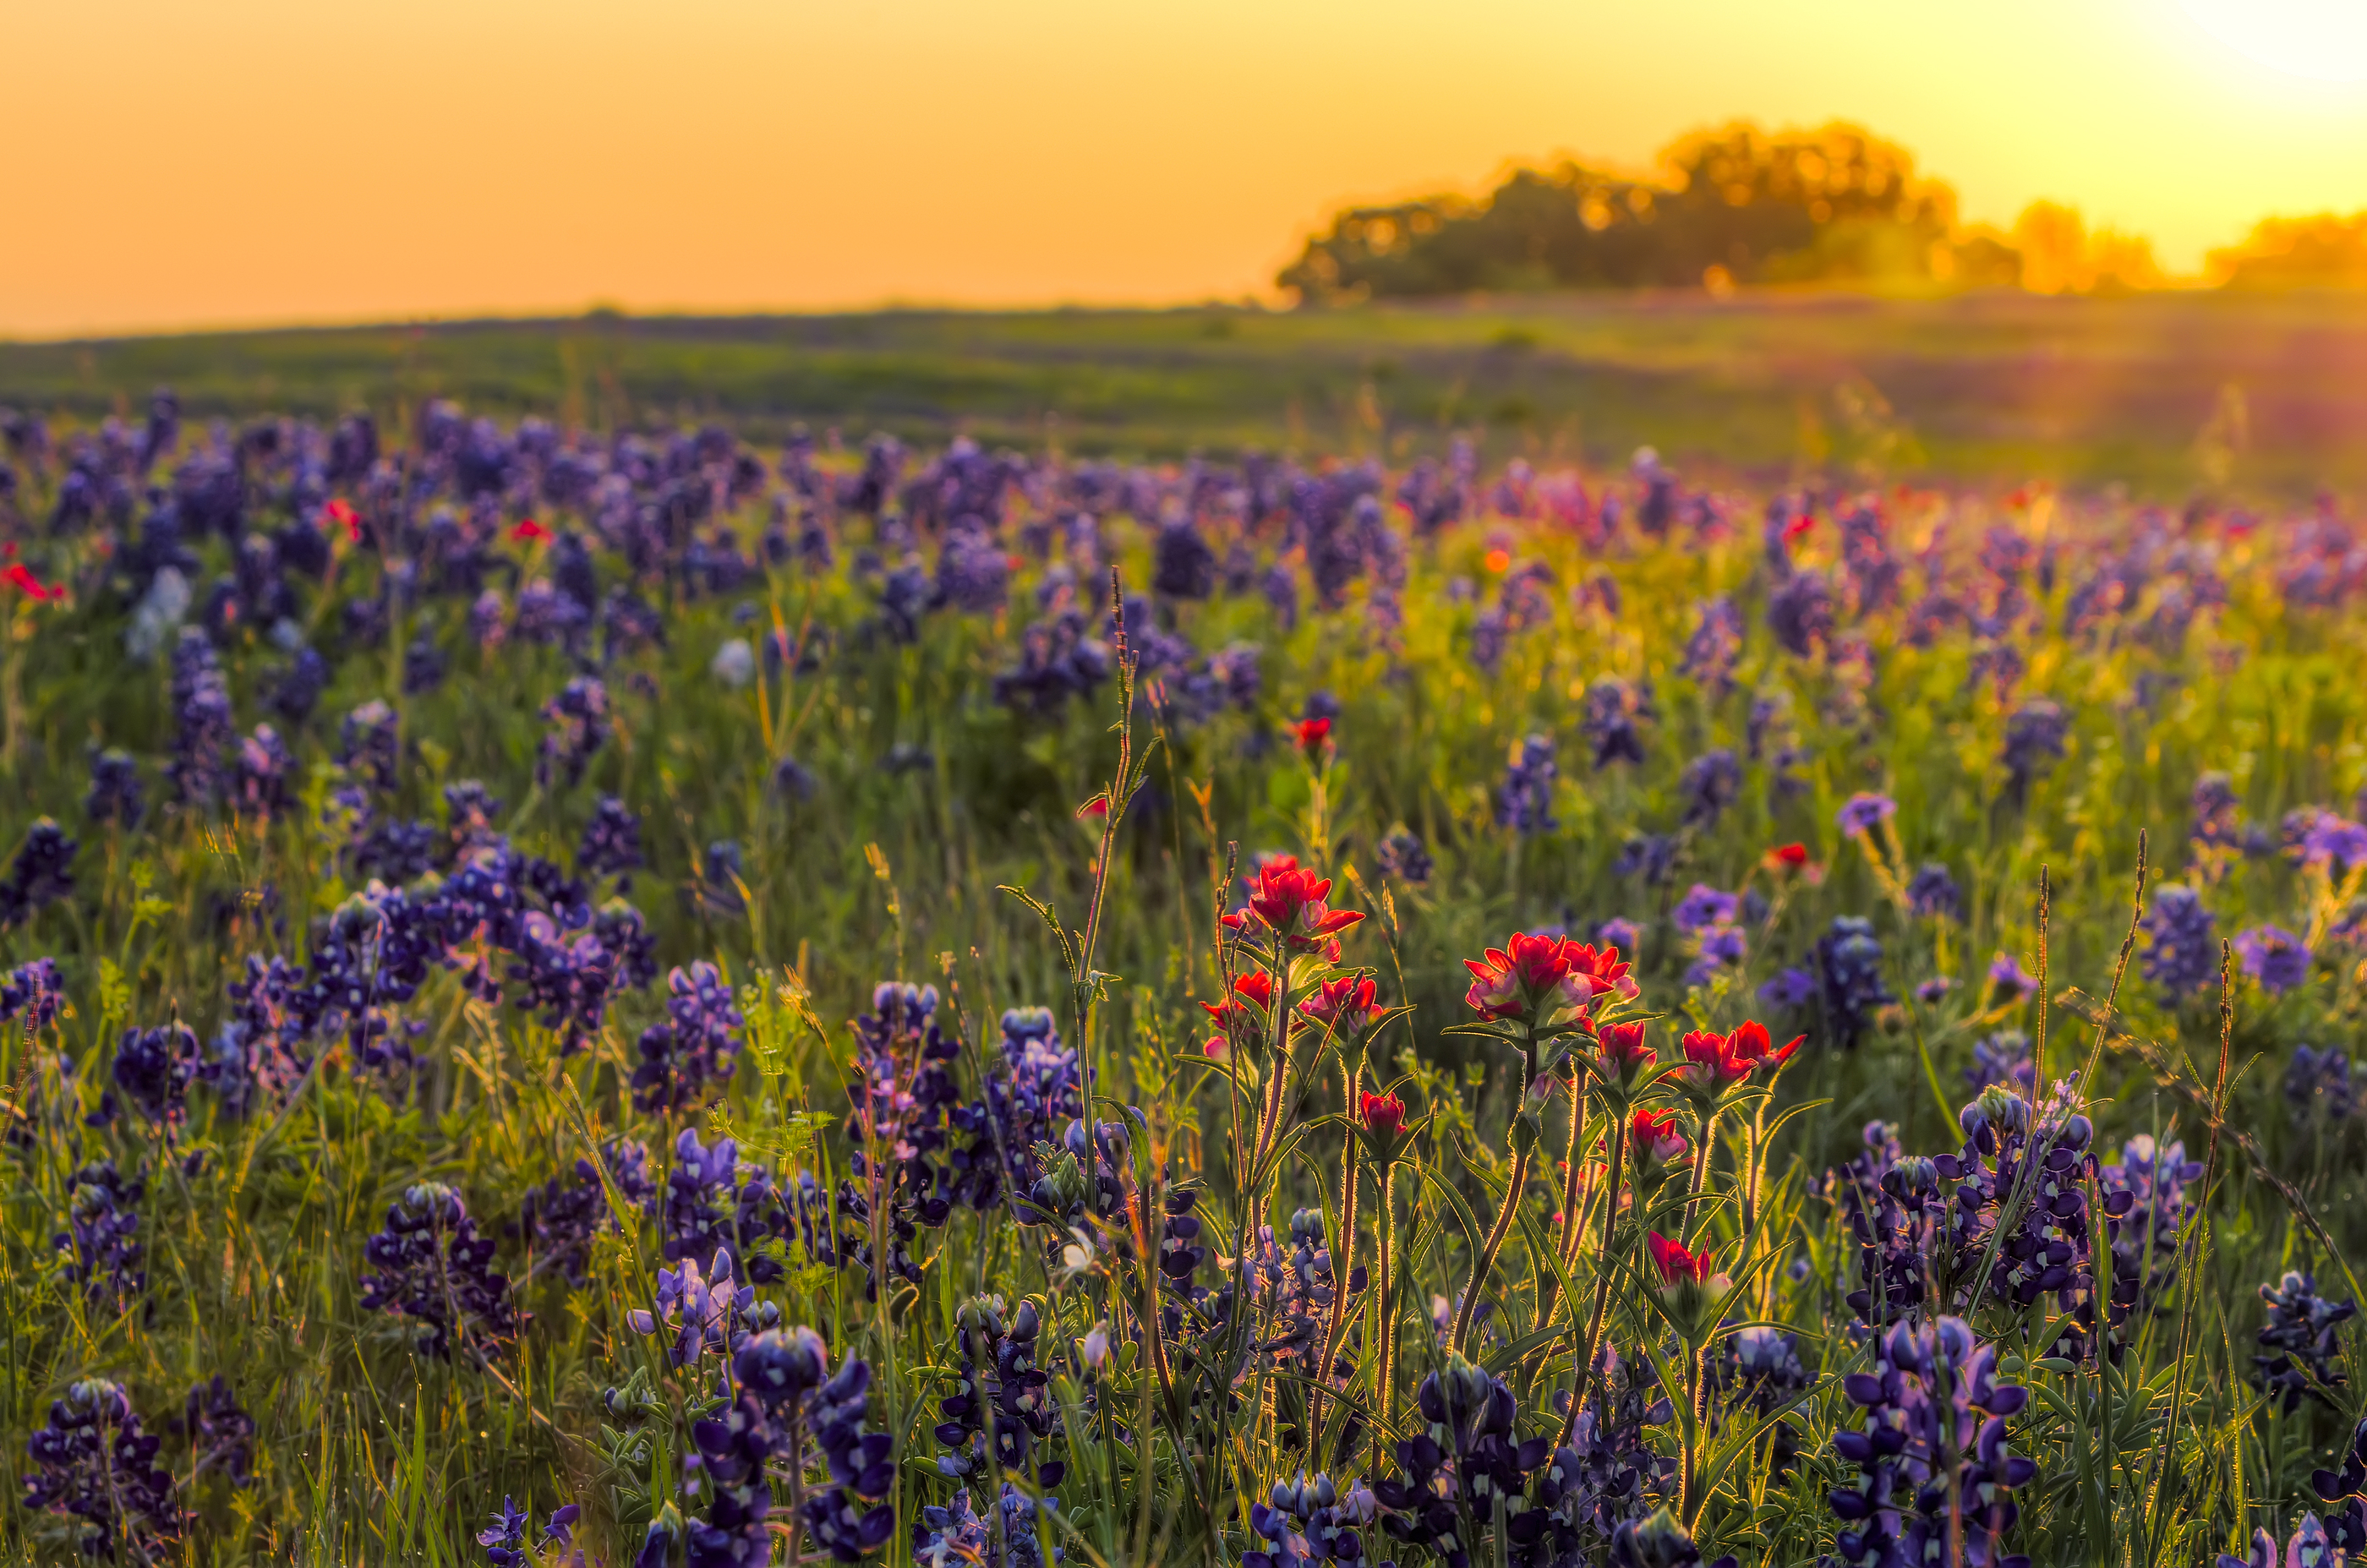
{"x": 1587, "y": 1345}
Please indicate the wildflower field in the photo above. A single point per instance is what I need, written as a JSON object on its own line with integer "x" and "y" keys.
{"x": 671, "y": 996}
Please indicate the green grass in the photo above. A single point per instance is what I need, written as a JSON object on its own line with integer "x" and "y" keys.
{"x": 369, "y": 1452}
{"x": 2092, "y": 391}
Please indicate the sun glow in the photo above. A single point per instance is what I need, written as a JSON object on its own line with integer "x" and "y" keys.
{"x": 2324, "y": 41}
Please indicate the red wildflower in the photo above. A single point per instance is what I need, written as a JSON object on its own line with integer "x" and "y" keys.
{"x": 1715, "y": 1061}
{"x": 1788, "y": 857}
{"x": 1656, "y": 1139}
{"x": 1677, "y": 1266}
{"x": 1384, "y": 1114}
{"x": 1095, "y": 808}
{"x": 1499, "y": 561}
{"x": 1289, "y": 902}
{"x": 346, "y": 518}
{"x": 530, "y": 532}
{"x": 1622, "y": 1046}
{"x": 1314, "y": 735}
{"x": 20, "y": 577}
{"x": 1798, "y": 526}
{"x": 1535, "y": 977}
{"x": 1346, "y": 1006}
{"x": 1251, "y": 1000}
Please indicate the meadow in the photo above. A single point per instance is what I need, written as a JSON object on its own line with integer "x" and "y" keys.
{"x": 592, "y": 974}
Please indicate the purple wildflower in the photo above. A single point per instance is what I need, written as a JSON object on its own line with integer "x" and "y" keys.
{"x": 1865, "y": 812}
{"x": 93, "y": 1463}
{"x": 2180, "y": 955}
{"x": 431, "y": 1265}
{"x": 2276, "y": 958}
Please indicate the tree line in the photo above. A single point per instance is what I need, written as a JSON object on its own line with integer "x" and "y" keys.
{"x": 1740, "y": 205}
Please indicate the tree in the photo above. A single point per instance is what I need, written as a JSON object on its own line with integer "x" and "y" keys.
{"x": 2323, "y": 250}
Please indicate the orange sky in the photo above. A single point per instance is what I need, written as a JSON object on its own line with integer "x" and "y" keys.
{"x": 262, "y": 161}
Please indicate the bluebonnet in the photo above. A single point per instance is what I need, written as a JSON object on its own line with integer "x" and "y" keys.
{"x": 262, "y": 1050}
{"x": 2346, "y": 1526}
{"x": 2312, "y": 1074}
{"x": 784, "y": 1404}
{"x": 1862, "y": 812}
{"x": 1702, "y": 907}
{"x": 1715, "y": 644}
{"x": 2036, "y": 733}
{"x": 1459, "y": 1462}
{"x": 2145, "y": 1230}
{"x": 1401, "y": 855}
{"x": 1037, "y": 1093}
{"x": 2048, "y": 1249}
{"x": 2324, "y": 841}
{"x": 698, "y": 1046}
{"x": 1711, "y": 783}
{"x": 116, "y": 794}
{"x": 1652, "y": 856}
{"x": 1788, "y": 988}
{"x": 565, "y": 979}
{"x": 431, "y": 1265}
{"x": 202, "y": 725}
{"x": 1866, "y": 551}
{"x": 1613, "y": 709}
{"x": 578, "y": 717}
{"x": 1800, "y": 614}
{"x": 1933, "y": 1401}
{"x": 1001, "y": 1385}
{"x": 2300, "y": 1343}
{"x": 2181, "y": 957}
{"x": 793, "y": 780}
{"x": 101, "y": 1241}
{"x": 469, "y": 809}
{"x": 1657, "y": 1540}
{"x": 370, "y": 743}
{"x": 1310, "y": 1520}
{"x": 561, "y": 1217}
{"x": 154, "y": 1067}
{"x": 1893, "y": 1206}
{"x": 906, "y": 1109}
{"x": 1931, "y": 892}
{"x": 2011, "y": 980}
{"x": 1620, "y": 932}
{"x": 33, "y": 992}
{"x": 423, "y": 668}
{"x": 708, "y": 1311}
{"x": 1059, "y": 659}
{"x": 1607, "y": 1473}
{"x": 1524, "y": 800}
{"x": 260, "y": 772}
{"x": 626, "y": 937}
{"x": 2218, "y": 815}
{"x": 1849, "y": 979}
{"x": 715, "y": 1206}
{"x": 1182, "y": 564}
{"x": 299, "y": 690}
{"x": 42, "y": 873}
{"x": 221, "y": 1432}
{"x": 94, "y": 1463}
{"x": 612, "y": 842}
{"x": 720, "y": 879}
{"x": 2003, "y": 1058}
{"x": 2275, "y": 957}
{"x": 504, "y": 1539}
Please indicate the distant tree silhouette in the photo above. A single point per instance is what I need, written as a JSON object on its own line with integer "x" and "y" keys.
{"x": 1733, "y": 205}
{"x": 2323, "y": 250}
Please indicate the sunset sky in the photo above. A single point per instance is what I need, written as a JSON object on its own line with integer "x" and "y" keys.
{"x": 267, "y": 161}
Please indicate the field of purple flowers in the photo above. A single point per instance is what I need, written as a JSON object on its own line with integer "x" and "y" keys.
{"x": 641, "y": 1000}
